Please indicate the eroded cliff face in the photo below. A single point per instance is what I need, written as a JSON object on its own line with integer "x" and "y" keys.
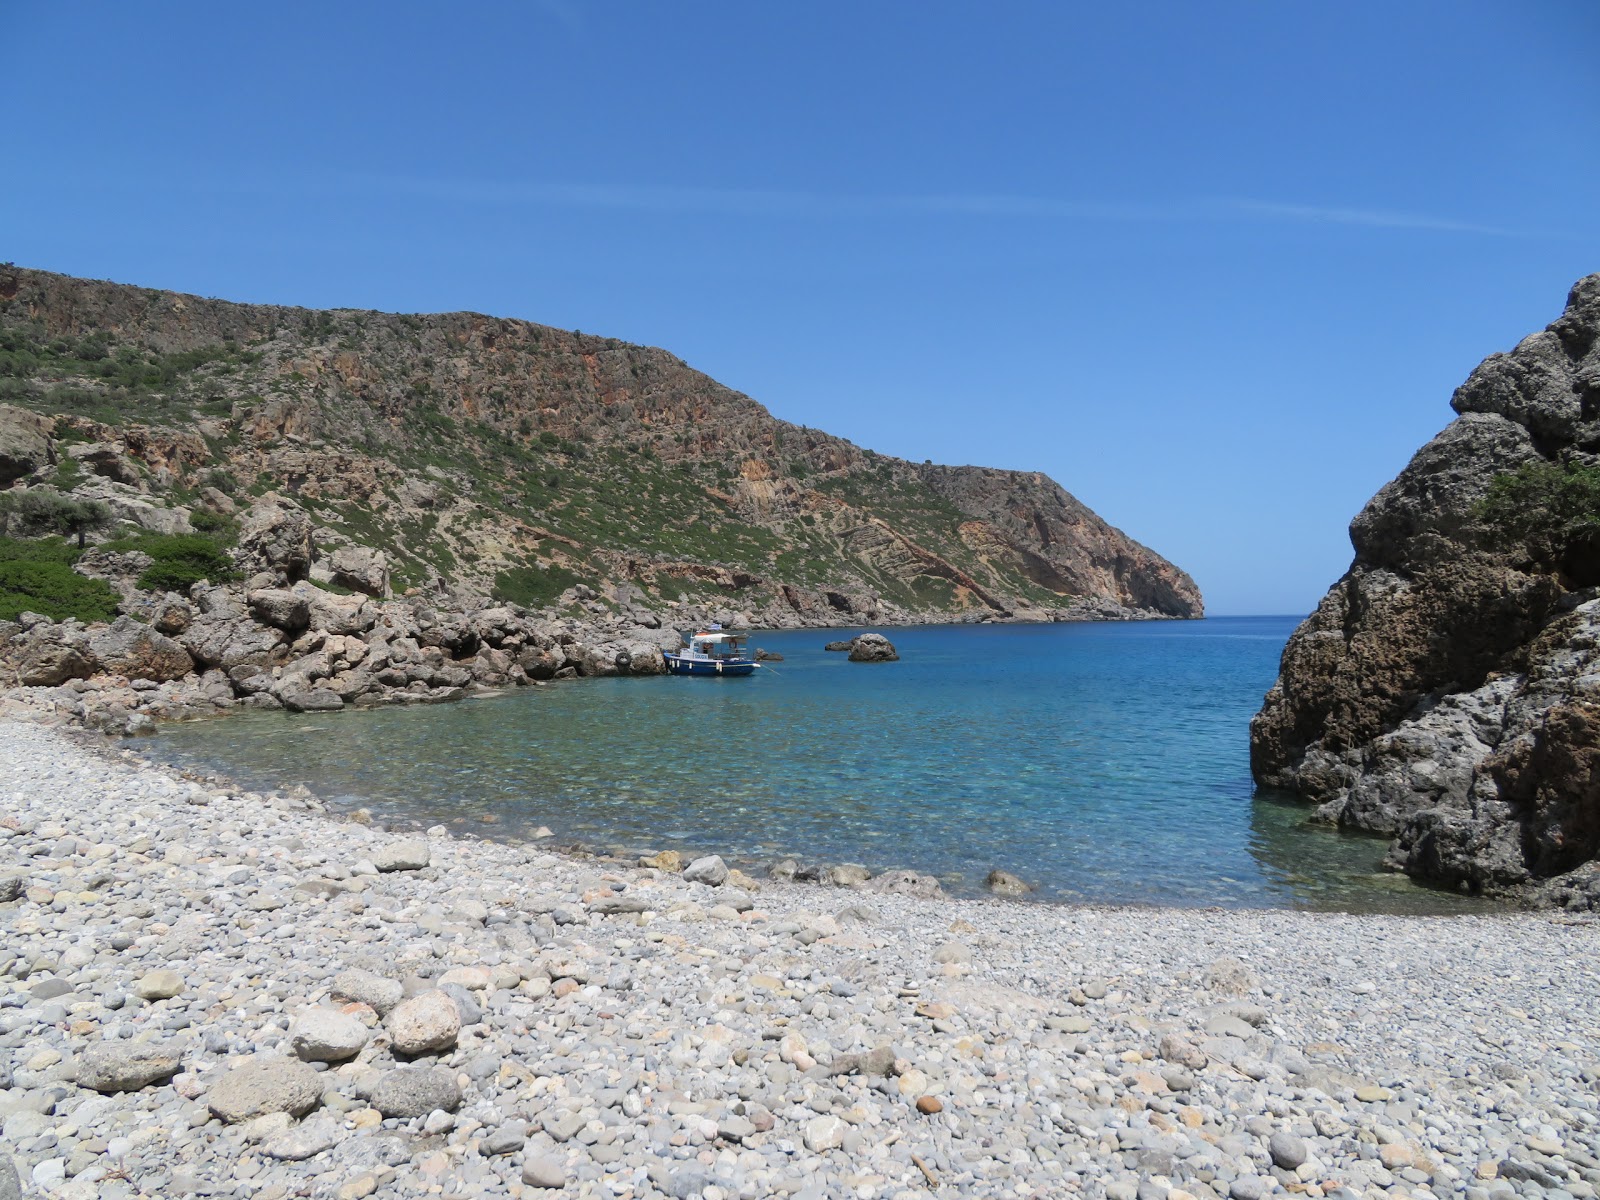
{"x": 465, "y": 447}
{"x": 1446, "y": 692}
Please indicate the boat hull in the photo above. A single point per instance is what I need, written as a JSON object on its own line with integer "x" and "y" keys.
{"x": 696, "y": 666}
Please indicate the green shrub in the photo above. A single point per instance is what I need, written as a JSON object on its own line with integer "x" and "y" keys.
{"x": 37, "y": 576}
{"x": 533, "y": 587}
{"x": 180, "y": 560}
{"x": 1548, "y": 512}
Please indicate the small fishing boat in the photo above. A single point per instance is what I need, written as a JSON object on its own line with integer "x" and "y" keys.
{"x": 713, "y": 652}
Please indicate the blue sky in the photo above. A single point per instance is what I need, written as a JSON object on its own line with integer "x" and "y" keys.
{"x": 1215, "y": 267}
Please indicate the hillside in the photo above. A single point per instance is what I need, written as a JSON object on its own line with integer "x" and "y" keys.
{"x": 1446, "y": 692}
{"x": 500, "y": 458}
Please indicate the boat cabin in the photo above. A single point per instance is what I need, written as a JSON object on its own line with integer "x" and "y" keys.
{"x": 718, "y": 645}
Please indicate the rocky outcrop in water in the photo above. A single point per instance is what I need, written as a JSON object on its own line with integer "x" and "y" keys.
{"x": 1446, "y": 692}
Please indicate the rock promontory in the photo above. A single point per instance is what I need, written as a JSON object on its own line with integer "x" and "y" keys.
{"x": 1446, "y": 692}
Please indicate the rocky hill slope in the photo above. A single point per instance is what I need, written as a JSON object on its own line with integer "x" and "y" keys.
{"x": 483, "y": 458}
{"x": 1446, "y": 692}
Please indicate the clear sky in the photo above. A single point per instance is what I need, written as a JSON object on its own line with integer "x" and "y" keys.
{"x": 1216, "y": 267}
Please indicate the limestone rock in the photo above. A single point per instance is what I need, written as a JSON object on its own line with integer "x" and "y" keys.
{"x": 360, "y": 567}
{"x": 26, "y": 445}
{"x": 1004, "y": 883}
{"x": 275, "y": 536}
{"x": 158, "y": 985}
{"x": 411, "y": 854}
{"x": 710, "y": 870}
{"x": 327, "y": 1035}
{"x": 265, "y": 1085}
{"x": 125, "y": 1066}
{"x": 139, "y": 652}
{"x": 364, "y": 987}
{"x": 281, "y": 608}
{"x": 424, "y": 1023}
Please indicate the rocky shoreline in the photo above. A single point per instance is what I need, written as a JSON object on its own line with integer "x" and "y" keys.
{"x": 209, "y": 992}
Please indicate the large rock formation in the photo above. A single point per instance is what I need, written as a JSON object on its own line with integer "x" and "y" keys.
{"x": 1446, "y": 692}
{"x": 498, "y": 458}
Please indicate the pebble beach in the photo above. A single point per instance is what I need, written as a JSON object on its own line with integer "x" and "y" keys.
{"x": 211, "y": 992}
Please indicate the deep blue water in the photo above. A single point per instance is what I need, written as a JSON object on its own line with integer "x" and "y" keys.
{"x": 1101, "y": 762}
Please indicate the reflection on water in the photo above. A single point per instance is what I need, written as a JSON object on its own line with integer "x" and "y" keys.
{"x": 1105, "y": 763}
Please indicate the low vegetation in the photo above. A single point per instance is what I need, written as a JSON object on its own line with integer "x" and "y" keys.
{"x": 1550, "y": 513}
{"x": 36, "y": 576}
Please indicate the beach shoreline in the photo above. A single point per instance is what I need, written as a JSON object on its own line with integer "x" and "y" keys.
{"x": 625, "y": 1032}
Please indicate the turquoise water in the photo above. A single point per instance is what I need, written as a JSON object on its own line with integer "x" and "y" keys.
{"x": 1101, "y": 762}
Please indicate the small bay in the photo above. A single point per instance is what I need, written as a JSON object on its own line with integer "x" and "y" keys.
{"x": 1104, "y": 763}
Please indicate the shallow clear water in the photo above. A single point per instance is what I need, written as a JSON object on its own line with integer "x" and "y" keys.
{"x": 1102, "y": 762}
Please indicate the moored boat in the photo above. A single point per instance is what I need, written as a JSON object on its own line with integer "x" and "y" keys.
{"x": 713, "y": 652}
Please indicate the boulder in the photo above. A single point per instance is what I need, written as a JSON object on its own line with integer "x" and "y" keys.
{"x": 424, "y": 1023}
{"x": 848, "y": 875}
{"x": 360, "y": 567}
{"x": 409, "y": 854}
{"x": 25, "y": 443}
{"x": 50, "y": 654}
{"x": 319, "y": 699}
{"x": 904, "y": 883}
{"x": 139, "y": 652}
{"x": 280, "y": 608}
{"x": 375, "y": 991}
{"x": 409, "y": 1092}
{"x": 329, "y": 612}
{"x": 106, "y": 459}
{"x": 1004, "y": 883}
{"x": 844, "y": 645}
{"x": 873, "y": 647}
{"x": 708, "y": 870}
{"x": 275, "y": 536}
{"x": 327, "y": 1035}
{"x": 126, "y": 1066}
{"x": 265, "y": 1085}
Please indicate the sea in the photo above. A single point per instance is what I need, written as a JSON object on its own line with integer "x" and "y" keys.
{"x": 1103, "y": 763}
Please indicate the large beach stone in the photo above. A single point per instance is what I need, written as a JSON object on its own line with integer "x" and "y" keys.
{"x": 544, "y": 1171}
{"x": 158, "y": 985}
{"x": 412, "y": 854}
{"x": 125, "y": 1066}
{"x": 303, "y": 1141}
{"x": 415, "y": 1092}
{"x": 1004, "y": 883}
{"x": 848, "y": 875}
{"x": 327, "y": 1035}
{"x": 10, "y": 1184}
{"x": 424, "y": 1023}
{"x": 266, "y": 1085}
{"x": 375, "y": 991}
{"x": 710, "y": 869}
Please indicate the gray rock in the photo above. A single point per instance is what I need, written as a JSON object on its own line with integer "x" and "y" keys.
{"x": 128, "y": 648}
{"x": 125, "y": 1066}
{"x": 327, "y": 1035}
{"x": 158, "y": 985}
{"x": 424, "y": 1023}
{"x": 412, "y": 854}
{"x": 1004, "y": 883}
{"x": 873, "y": 647}
{"x": 710, "y": 870}
{"x": 281, "y": 608}
{"x": 11, "y": 887}
{"x": 507, "y": 1139}
{"x": 415, "y": 1091}
{"x": 10, "y": 1184}
{"x": 265, "y": 1085}
{"x": 311, "y": 700}
{"x": 304, "y": 1141}
{"x": 848, "y": 875}
{"x": 544, "y": 1171}
{"x": 364, "y": 987}
{"x": 1287, "y": 1150}
{"x": 26, "y": 444}
{"x": 904, "y": 883}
